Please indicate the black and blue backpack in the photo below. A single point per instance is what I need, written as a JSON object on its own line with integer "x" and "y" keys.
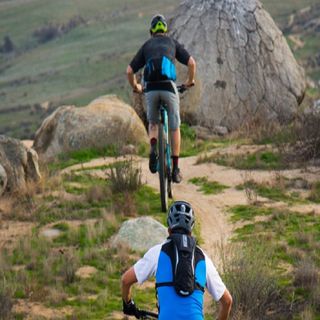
{"x": 160, "y": 69}
{"x": 184, "y": 256}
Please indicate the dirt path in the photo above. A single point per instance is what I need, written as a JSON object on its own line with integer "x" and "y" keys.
{"x": 211, "y": 210}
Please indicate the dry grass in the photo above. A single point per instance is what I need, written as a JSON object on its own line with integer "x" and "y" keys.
{"x": 250, "y": 277}
{"x": 69, "y": 267}
{"x": 125, "y": 177}
{"x": 6, "y": 301}
{"x": 306, "y": 275}
{"x": 126, "y": 205}
{"x": 97, "y": 193}
{"x": 251, "y": 193}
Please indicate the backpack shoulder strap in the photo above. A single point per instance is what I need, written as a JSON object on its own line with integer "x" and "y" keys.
{"x": 198, "y": 256}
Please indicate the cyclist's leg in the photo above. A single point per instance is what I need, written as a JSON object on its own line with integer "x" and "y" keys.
{"x": 152, "y": 101}
{"x": 173, "y": 102}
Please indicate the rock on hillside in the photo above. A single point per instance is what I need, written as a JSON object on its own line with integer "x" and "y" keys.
{"x": 245, "y": 68}
{"x": 18, "y": 165}
{"x": 107, "y": 120}
{"x": 140, "y": 234}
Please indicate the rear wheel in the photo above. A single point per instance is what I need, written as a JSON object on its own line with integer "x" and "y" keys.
{"x": 163, "y": 174}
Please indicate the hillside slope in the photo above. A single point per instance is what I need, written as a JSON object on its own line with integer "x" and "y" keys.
{"x": 69, "y": 52}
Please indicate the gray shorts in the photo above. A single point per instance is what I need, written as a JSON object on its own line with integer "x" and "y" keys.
{"x": 172, "y": 101}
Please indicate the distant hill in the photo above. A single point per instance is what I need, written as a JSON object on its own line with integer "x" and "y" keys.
{"x": 69, "y": 52}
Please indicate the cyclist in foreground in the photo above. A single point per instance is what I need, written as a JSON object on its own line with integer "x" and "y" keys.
{"x": 182, "y": 271}
{"x": 158, "y": 55}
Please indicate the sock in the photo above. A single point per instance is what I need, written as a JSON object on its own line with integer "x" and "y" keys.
{"x": 153, "y": 144}
{"x": 175, "y": 160}
{"x": 153, "y": 141}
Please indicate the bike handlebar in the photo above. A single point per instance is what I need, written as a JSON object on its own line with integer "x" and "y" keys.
{"x": 181, "y": 88}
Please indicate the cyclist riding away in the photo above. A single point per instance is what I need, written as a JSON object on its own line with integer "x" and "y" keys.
{"x": 158, "y": 56}
{"x": 181, "y": 269}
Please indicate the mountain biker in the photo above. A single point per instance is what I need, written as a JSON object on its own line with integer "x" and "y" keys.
{"x": 158, "y": 55}
{"x": 158, "y": 262}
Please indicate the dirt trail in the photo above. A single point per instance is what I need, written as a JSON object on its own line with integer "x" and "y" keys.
{"x": 211, "y": 210}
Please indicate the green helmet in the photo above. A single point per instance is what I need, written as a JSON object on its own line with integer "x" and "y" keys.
{"x": 158, "y": 24}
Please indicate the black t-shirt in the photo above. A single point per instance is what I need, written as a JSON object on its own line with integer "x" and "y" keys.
{"x": 159, "y": 46}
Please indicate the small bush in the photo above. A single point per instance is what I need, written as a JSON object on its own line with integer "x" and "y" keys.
{"x": 7, "y": 46}
{"x": 315, "y": 192}
{"x": 306, "y": 144}
{"x": 250, "y": 278}
{"x": 306, "y": 275}
{"x": 70, "y": 264}
{"x": 46, "y": 33}
{"x": 124, "y": 176}
{"x": 51, "y": 31}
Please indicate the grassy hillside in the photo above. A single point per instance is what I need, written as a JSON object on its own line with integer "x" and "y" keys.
{"x": 280, "y": 10}
{"x": 89, "y": 48}
{"x": 74, "y": 67}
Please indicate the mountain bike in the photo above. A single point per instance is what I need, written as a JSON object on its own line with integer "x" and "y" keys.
{"x": 147, "y": 315}
{"x": 164, "y": 166}
{"x": 164, "y": 154}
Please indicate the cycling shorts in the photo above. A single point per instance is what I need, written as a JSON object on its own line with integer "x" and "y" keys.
{"x": 170, "y": 99}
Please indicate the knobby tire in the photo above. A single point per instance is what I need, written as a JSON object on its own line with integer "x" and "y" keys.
{"x": 163, "y": 176}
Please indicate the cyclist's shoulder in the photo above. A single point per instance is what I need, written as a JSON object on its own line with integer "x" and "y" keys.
{"x": 155, "y": 250}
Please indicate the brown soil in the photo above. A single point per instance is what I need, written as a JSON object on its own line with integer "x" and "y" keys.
{"x": 33, "y": 310}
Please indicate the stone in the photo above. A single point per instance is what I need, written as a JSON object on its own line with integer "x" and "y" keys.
{"x": 51, "y": 233}
{"x": 105, "y": 121}
{"x": 245, "y": 68}
{"x": 19, "y": 163}
{"x": 140, "y": 234}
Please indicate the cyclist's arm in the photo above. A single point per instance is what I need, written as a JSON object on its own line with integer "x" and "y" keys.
{"x": 225, "y": 305}
{"x": 135, "y": 65}
{"x": 133, "y": 80}
{"x": 191, "y": 72}
{"x": 127, "y": 280}
{"x": 141, "y": 271}
{"x": 218, "y": 290}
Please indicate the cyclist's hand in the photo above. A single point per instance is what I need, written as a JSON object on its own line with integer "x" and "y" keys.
{"x": 130, "y": 309}
{"x": 189, "y": 84}
{"x": 138, "y": 88}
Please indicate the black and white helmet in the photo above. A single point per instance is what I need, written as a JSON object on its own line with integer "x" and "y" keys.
{"x": 181, "y": 216}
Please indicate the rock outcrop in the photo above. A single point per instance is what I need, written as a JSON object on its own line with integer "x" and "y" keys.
{"x": 140, "y": 234}
{"x": 105, "y": 121}
{"x": 245, "y": 68}
{"x": 18, "y": 165}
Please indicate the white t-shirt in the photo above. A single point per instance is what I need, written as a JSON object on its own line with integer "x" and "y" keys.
{"x": 147, "y": 266}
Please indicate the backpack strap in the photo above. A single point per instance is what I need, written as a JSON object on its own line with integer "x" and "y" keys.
{"x": 171, "y": 284}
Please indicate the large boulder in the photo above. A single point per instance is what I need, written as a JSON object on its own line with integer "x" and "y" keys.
{"x": 140, "y": 234}
{"x": 245, "y": 68}
{"x": 18, "y": 165}
{"x": 105, "y": 121}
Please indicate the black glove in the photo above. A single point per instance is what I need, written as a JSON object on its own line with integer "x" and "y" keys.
{"x": 130, "y": 309}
